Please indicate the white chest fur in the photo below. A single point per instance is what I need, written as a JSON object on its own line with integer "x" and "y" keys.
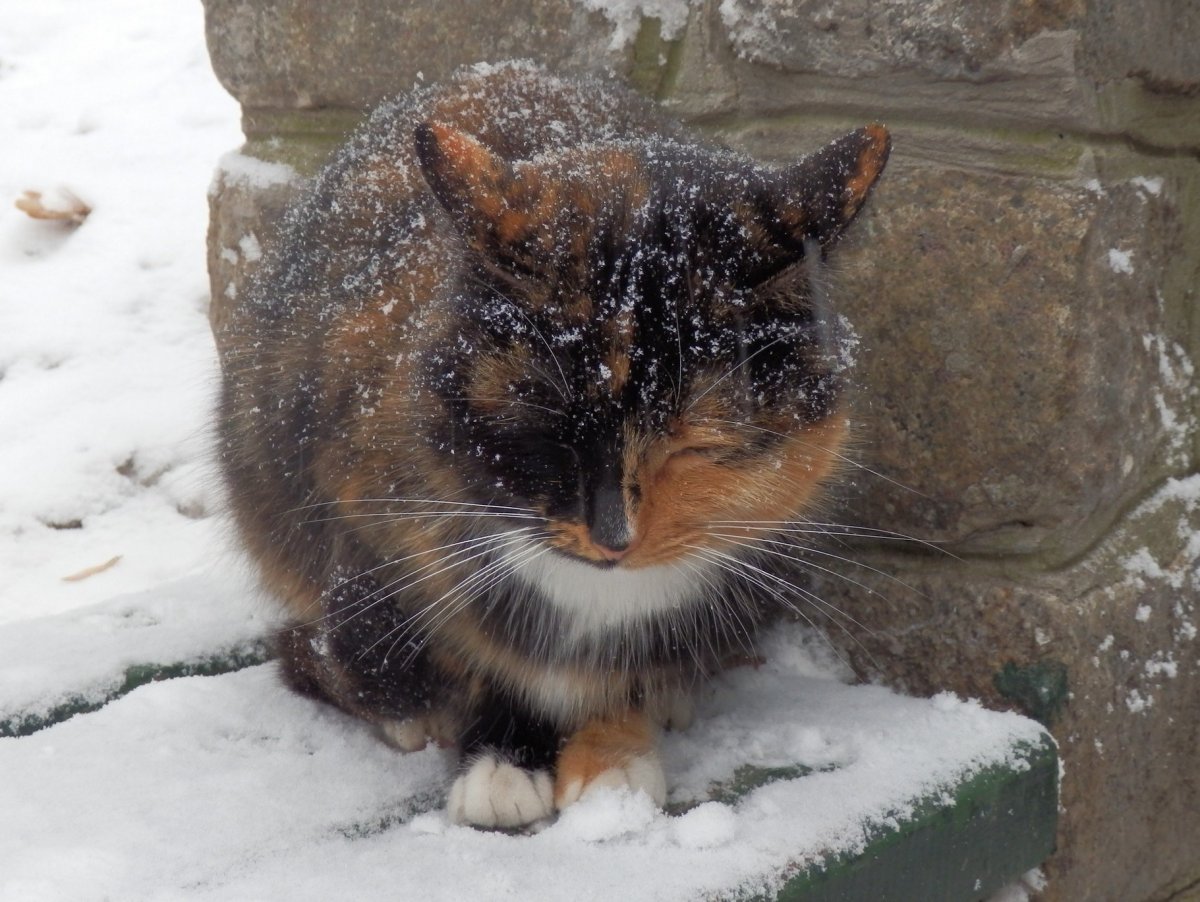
{"x": 596, "y": 599}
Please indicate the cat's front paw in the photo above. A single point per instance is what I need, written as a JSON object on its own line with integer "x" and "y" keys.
{"x": 618, "y": 754}
{"x": 413, "y": 733}
{"x": 491, "y": 792}
{"x": 643, "y": 772}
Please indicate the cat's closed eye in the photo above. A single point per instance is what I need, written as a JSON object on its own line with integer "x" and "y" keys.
{"x": 697, "y": 453}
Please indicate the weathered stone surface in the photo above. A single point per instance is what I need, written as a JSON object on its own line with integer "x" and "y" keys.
{"x": 1019, "y": 375}
{"x": 1059, "y": 67}
{"x": 295, "y": 54}
{"x": 857, "y": 37}
{"x": 1153, "y": 42}
{"x": 247, "y": 199}
{"x": 1105, "y": 652}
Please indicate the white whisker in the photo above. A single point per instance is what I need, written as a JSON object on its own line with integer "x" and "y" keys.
{"x": 808, "y": 595}
{"x": 744, "y": 542}
{"x": 824, "y": 450}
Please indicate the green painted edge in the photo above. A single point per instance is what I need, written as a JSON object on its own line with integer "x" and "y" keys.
{"x": 397, "y": 816}
{"x": 1040, "y": 689}
{"x": 995, "y": 826}
{"x": 238, "y": 657}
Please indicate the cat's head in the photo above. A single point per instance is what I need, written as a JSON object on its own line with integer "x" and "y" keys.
{"x": 641, "y": 351}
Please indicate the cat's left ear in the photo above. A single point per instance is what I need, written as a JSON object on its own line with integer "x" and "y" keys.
{"x": 491, "y": 203}
{"x": 823, "y": 193}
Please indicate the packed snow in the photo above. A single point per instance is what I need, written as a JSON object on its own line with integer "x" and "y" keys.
{"x": 115, "y": 556}
{"x": 1120, "y": 261}
{"x": 230, "y": 787}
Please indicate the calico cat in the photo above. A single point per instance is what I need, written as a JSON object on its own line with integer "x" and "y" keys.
{"x": 502, "y": 413}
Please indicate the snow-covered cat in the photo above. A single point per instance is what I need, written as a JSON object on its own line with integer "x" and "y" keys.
{"x": 529, "y": 384}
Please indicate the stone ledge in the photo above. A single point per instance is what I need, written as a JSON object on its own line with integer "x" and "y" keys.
{"x": 1102, "y": 651}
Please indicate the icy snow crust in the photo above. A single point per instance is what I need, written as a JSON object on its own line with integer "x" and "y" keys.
{"x": 231, "y": 787}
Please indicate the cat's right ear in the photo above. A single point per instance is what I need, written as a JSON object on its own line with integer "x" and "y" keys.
{"x": 488, "y": 200}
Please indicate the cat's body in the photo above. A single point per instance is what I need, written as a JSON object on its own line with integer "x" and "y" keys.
{"x": 504, "y": 413}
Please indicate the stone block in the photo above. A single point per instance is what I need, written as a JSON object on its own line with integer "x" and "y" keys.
{"x": 296, "y": 54}
{"x": 247, "y": 199}
{"x": 1105, "y": 652}
{"x": 1023, "y": 375}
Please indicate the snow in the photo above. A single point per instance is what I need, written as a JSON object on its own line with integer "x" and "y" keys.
{"x": 230, "y": 787}
{"x": 626, "y": 15}
{"x": 1120, "y": 261}
{"x": 1151, "y": 186}
{"x": 106, "y": 363}
{"x": 239, "y": 169}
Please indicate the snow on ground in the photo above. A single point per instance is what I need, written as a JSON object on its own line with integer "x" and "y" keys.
{"x": 106, "y": 364}
{"x": 113, "y": 555}
{"x": 231, "y": 788}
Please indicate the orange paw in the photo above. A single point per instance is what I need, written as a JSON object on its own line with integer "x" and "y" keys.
{"x": 617, "y": 753}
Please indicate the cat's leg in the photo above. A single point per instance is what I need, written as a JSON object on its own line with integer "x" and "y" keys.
{"x": 414, "y": 732}
{"x": 504, "y": 778}
{"x": 618, "y": 752}
{"x": 401, "y": 702}
{"x": 673, "y": 709}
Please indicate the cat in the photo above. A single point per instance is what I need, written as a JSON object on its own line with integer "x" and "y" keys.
{"x": 506, "y": 407}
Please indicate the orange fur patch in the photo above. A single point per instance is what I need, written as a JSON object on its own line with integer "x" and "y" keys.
{"x": 470, "y": 170}
{"x": 602, "y": 745}
{"x": 685, "y": 494}
{"x": 619, "y": 364}
{"x": 870, "y": 164}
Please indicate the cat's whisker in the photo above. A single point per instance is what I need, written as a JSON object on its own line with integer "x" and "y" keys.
{"x": 487, "y": 543}
{"x": 487, "y": 578}
{"x": 373, "y": 599}
{"x": 516, "y": 401}
{"x": 832, "y": 530}
{"x": 482, "y": 548}
{"x": 411, "y": 623}
{"x": 757, "y": 544}
{"x": 714, "y": 598}
{"x": 433, "y": 501}
{"x": 739, "y": 568}
{"x": 733, "y": 369}
{"x": 809, "y": 565}
{"x": 830, "y": 451}
{"x": 831, "y": 610}
{"x": 565, "y": 389}
{"x": 472, "y": 541}
{"x": 400, "y": 516}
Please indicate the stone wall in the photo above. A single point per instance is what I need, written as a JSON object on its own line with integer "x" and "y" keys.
{"x": 1025, "y": 287}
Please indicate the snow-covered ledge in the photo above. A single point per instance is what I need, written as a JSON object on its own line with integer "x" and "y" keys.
{"x": 791, "y": 783}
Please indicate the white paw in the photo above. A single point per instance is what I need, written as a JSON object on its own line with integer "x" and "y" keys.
{"x": 643, "y": 772}
{"x": 681, "y": 711}
{"x": 494, "y": 793}
{"x": 407, "y": 735}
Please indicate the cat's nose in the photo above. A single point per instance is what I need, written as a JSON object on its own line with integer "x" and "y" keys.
{"x": 609, "y": 553}
{"x": 609, "y": 528}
